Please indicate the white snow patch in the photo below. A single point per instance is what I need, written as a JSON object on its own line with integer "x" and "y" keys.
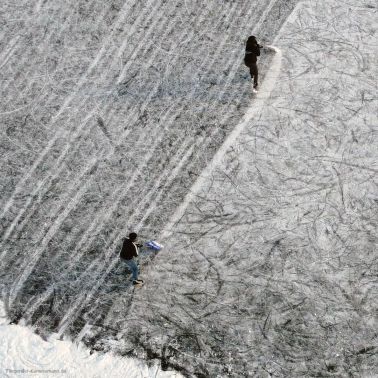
{"x": 23, "y": 353}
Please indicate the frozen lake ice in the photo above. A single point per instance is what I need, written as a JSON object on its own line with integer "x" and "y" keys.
{"x": 110, "y": 113}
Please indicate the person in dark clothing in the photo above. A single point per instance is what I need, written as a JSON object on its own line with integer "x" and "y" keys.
{"x": 252, "y": 51}
{"x": 129, "y": 251}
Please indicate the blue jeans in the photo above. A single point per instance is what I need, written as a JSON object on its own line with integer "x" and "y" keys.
{"x": 132, "y": 265}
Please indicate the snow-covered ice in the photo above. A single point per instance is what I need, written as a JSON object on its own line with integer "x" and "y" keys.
{"x": 275, "y": 247}
{"x": 269, "y": 266}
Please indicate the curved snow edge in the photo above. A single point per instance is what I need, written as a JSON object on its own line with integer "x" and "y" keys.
{"x": 253, "y": 111}
{"x": 23, "y": 353}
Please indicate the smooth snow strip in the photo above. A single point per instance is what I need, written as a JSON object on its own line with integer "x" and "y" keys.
{"x": 23, "y": 353}
{"x": 253, "y": 111}
{"x": 8, "y": 51}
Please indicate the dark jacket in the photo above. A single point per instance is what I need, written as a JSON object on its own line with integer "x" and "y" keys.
{"x": 129, "y": 250}
{"x": 252, "y": 51}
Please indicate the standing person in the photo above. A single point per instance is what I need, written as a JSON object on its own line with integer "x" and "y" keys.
{"x": 129, "y": 251}
{"x": 252, "y": 51}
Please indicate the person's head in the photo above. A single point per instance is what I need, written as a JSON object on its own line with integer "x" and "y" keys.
{"x": 252, "y": 38}
{"x": 133, "y": 236}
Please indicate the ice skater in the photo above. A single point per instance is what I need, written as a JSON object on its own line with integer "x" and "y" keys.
{"x": 129, "y": 251}
{"x": 252, "y": 51}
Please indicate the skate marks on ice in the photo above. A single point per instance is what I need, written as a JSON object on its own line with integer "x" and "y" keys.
{"x": 276, "y": 252}
{"x": 60, "y": 165}
{"x": 68, "y": 193}
{"x": 253, "y": 113}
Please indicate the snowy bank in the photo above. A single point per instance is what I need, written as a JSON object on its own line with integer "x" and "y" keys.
{"x": 23, "y": 353}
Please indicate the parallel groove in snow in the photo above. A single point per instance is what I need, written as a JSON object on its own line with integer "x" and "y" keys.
{"x": 75, "y": 126}
{"x": 56, "y": 169}
{"x": 67, "y": 101}
{"x": 45, "y": 185}
{"x": 119, "y": 233}
{"x": 97, "y": 279}
{"x": 24, "y": 275}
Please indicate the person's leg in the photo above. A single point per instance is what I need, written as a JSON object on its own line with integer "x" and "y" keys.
{"x": 255, "y": 74}
{"x": 134, "y": 268}
{"x": 251, "y": 71}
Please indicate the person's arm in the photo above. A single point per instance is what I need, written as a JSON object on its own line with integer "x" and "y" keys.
{"x": 135, "y": 254}
{"x": 257, "y": 49}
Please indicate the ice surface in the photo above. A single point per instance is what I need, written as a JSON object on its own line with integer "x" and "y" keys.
{"x": 276, "y": 252}
{"x": 109, "y": 117}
